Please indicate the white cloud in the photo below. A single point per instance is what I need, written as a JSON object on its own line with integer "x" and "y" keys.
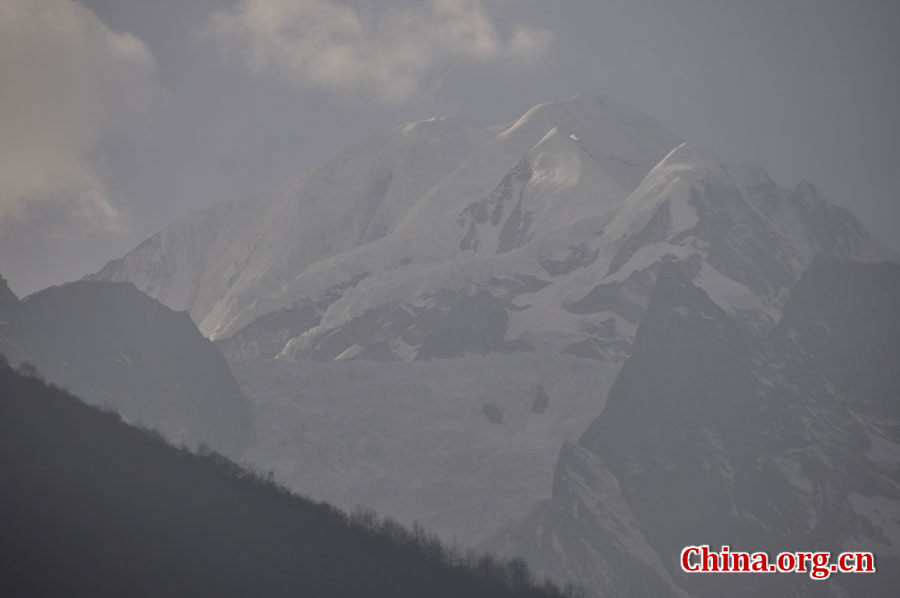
{"x": 66, "y": 81}
{"x": 387, "y": 50}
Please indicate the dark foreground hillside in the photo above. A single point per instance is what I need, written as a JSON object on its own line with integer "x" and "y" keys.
{"x": 92, "y": 506}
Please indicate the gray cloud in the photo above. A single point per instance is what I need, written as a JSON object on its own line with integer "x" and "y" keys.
{"x": 391, "y": 51}
{"x": 68, "y": 82}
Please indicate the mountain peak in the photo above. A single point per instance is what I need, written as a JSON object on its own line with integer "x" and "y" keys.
{"x": 6, "y": 295}
{"x": 580, "y": 109}
{"x": 625, "y": 142}
{"x": 807, "y": 189}
{"x": 752, "y": 179}
{"x": 689, "y": 156}
{"x": 435, "y": 124}
{"x": 556, "y": 139}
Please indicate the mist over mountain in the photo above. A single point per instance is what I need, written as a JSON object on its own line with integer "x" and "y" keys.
{"x": 119, "y": 348}
{"x": 396, "y": 316}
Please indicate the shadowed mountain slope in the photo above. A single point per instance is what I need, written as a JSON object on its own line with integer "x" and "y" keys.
{"x": 117, "y": 347}
{"x": 92, "y": 506}
{"x": 711, "y": 436}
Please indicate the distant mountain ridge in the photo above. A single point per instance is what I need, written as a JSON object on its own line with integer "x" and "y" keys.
{"x": 119, "y": 348}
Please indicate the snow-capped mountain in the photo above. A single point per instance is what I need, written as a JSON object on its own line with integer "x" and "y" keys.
{"x": 116, "y": 347}
{"x": 570, "y": 208}
{"x": 411, "y": 295}
{"x": 216, "y": 263}
{"x": 578, "y": 287}
{"x": 399, "y": 196}
{"x": 712, "y": 436}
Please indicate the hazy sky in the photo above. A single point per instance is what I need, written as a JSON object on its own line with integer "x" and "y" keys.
{"x": 117, "y": 116}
